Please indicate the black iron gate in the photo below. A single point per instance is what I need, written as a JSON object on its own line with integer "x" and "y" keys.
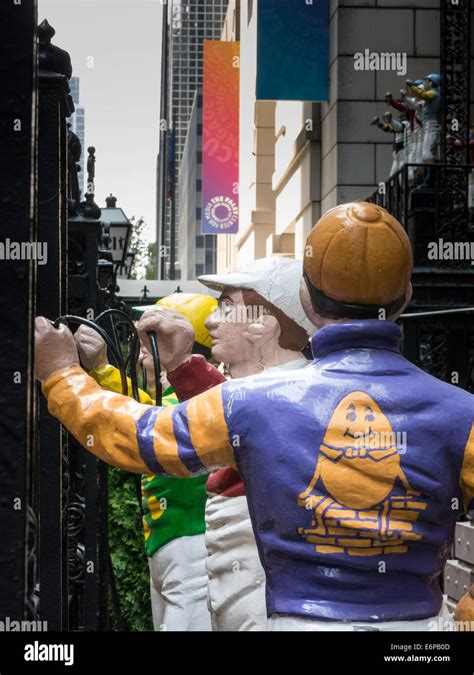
{"x": 53, "y": 502}
{"x": 18, "y": 497}
{"x": 54, "y": 105}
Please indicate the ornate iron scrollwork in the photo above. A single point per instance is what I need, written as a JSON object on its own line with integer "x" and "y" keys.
{"x": 455, "y": 64}
{"x": 433, "y": 348}
{"x": 32, "y": 581}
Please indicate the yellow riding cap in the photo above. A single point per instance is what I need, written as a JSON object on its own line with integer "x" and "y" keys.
{"x": 195, "y": 307}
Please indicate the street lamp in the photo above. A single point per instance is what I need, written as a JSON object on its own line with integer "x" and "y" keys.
{"x": 118, "y": 228}
{"x": 124, "y": 271}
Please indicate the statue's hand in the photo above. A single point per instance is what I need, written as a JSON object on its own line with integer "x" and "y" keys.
{"x": 410, "y": 83}
{"x": 175, "y": 336}
{"x": 54, "y": 348}
{"x": 91, "y": 347}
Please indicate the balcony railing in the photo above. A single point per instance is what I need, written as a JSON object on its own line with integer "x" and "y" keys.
{"x": 433, "y": 206}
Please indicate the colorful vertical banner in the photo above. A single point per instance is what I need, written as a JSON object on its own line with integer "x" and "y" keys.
{"x": 220, "y": 138}
{"x": 293, "y": 50}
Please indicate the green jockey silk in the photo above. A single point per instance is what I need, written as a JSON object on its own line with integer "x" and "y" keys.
{"x": 173, "y": 507}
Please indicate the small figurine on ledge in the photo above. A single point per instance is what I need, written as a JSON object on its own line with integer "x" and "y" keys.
{"x": 414, "y": 133}
{"x": 400, "y": 129}
{"x": 458, "y": 144}
{"x": 430, "y": 96}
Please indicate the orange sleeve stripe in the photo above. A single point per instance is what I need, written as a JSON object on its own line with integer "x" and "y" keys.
{"x": 211, "y": 438}
{"x": 103, "y": 422}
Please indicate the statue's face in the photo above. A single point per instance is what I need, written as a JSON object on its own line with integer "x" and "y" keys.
{"x": 427, "y": 85}
{"x": 228, "y": 327}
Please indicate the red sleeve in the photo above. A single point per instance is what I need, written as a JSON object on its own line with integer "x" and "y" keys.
{"x": 398, "y": 105}
{"x": 225, "y": 482}
{"x": 194, "y": 377}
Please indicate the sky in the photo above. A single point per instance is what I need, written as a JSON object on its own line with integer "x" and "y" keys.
{"x": 115, "y": 49}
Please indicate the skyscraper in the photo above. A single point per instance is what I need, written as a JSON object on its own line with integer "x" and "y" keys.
{"x": 197, "y": 251}
{"x": 77, "y": 120}
{"x": 191, "y": 22}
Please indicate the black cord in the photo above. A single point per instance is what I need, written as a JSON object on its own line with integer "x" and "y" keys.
{"x": 118, "y": 312}
{"x": 132, "y": 358}
{"x": 69, "y": 318}
{"x": 156, "y": 366}
{"x": 134, "y": 354}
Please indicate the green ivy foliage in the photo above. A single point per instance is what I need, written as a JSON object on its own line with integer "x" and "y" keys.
{"x": 127, "y": 549}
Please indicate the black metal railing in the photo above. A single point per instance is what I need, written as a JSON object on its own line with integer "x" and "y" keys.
{"x": 441, "y": 342}
{"x": 432, "y": 203}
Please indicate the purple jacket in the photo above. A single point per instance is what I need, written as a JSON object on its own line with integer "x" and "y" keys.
{"x": 356, "y": 469}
